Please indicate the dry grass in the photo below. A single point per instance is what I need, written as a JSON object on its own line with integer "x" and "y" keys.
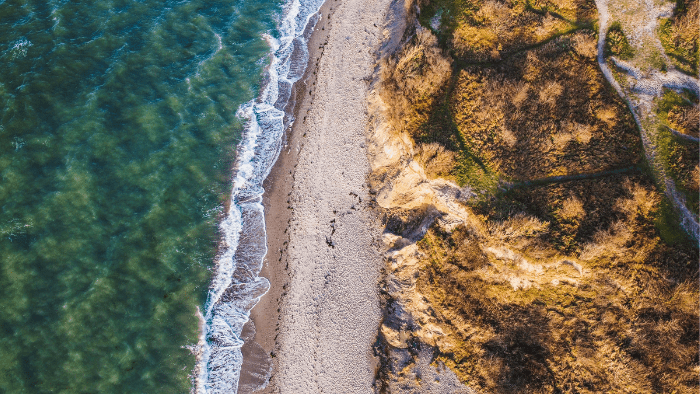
{"x": 521, "y": 90}
{"x": 685, "y": 119}
{"x": 607, "y": 114}
{"x": 580, "y": 132}
{"x": 642, "y": 202}
{"x": 435, "y": 160}
{"x": 559, "y": 287}
{"x": 680, "y": 36}
{"x": 508, "y": 137}
{"x": 498, "y": 28}
{"x": 549, "y": 95}
{"x": 517, "y": 228}
{"x": 412, "y": 79}
{"x": 544, "y": 113}
{"x": 585, "y": 45}
{"x": 572, "y": 209}
{"x": 609, "y": 243}
{"x": 627, "y": 321}
{"x": 575, "y": 210}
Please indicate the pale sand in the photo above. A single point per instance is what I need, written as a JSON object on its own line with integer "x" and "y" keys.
{"x": 325, "y": 279}
{"x": 641, "y": 89}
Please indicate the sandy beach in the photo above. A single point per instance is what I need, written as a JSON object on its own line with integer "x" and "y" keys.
{"x": 320, "y": 318}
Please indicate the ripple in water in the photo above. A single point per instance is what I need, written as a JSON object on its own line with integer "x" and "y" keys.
{"x": 118, "y": 131}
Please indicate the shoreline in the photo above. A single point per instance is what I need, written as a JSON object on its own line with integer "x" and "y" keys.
{"x": 266, "y": 315}
{"x": 285, "y": 189}
{"x": 278, "y": 187}
{"x": 220, "y": 364}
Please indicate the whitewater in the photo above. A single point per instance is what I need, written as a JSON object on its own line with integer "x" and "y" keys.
{"x": 236, "y": 286}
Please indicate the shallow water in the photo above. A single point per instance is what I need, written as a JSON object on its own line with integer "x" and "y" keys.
{"x": 118, "y": 133}
{"x": 236, "y": 286}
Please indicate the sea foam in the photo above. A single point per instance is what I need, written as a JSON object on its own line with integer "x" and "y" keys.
{"x": 236, "y": 286}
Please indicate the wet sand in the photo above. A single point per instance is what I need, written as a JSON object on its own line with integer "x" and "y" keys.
{"x": 320, "y": 317}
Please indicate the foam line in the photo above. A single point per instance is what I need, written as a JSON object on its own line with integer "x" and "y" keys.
{"x": 236, "y": 286}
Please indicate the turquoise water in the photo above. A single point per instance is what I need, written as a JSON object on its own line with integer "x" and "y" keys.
{"x": 117, "y": 142}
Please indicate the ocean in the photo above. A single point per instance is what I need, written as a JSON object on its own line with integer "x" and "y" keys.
{"x": 125, "y": 130}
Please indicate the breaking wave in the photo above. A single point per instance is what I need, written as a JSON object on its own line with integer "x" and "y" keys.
{"x": 236, "y": 286}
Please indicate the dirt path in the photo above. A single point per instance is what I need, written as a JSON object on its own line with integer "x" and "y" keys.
{"x": 640, "y": 21}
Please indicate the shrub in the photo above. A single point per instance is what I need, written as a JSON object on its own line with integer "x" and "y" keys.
{"x": 680, "y": 34}
{"x": 572, "y": 209}
{"x": 435, "y": 160}
{"x": 616, "y": 43}
{"x": 412, "y": 79}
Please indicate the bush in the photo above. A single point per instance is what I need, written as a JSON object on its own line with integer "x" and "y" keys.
{"x": 616, "y": 43}
{"x": 680, "y": 35}
{"x": 411, "y": 81}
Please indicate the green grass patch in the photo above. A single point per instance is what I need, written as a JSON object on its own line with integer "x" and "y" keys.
{"x": 471, "y": 171}
{"x": 670, "y": 100}
{"x": 616, "y": 43}
{"x": 680, "y": 44}
{"x": 451, "y": 12}
{"x": 678, "y": 157}
{"x": 668, "y": 225}
{"x": 656, "y": 60}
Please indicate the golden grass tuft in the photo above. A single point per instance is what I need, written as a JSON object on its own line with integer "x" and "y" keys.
{"x": 521, "y": 93}
{"x": 642, "y": 202}
{"x": 550, "y": 93}
{"x": 680, "y": 36}
{"x": 607, "y": 114}
{"x": 508, "y": 137}
{"x": 585, "y": 45}
{"x": 572, "y": 209}
{"x": 561, "y": 140}
{"x": 685, "y": 119}
{"x": 611, "y": 242}
{"x": 411, "y": 80}
{"x": 518, "y": 226}
{"x": 435, "y": 160}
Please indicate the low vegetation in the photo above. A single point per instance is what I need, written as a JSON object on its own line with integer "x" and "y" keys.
{"x": 679, "y": 113}
{"x": 670, "y": 122}
{"x": 564, "y": 287}
{"x": 681, "y": 158}
{"x": 487, "y": 31}
{"x": 574, "y": 275}
{"x": 413, "y": 79}
{"x": 545, "y": 112}
{"x": 616, "y": 43}
{"x": 680, "y": 36}
{"x": 570, "y": 289}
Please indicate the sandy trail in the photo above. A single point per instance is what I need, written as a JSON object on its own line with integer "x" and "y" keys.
{"x": 641, "y": 88}
{"x": 330, "y": 314}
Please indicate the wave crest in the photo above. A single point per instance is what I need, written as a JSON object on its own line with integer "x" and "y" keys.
{"x": 236, "y": 286}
